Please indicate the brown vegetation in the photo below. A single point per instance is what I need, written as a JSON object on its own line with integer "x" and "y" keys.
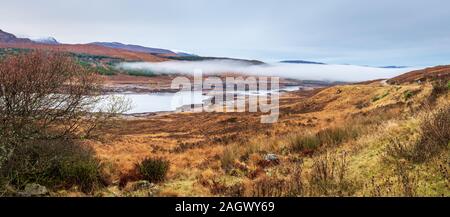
{"x": 46, "y": 106}
{"x": 87, "y": 49}
{"x": 368, "y": 139}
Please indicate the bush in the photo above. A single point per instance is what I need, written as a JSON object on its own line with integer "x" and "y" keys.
{"x": 439, "y": 87}
{"x": 379, "y": 97}
{"x": 304, "y": 143}
{"x": 435, "y": 133}
{"x": 434, "y": 136}
{"x": 228, "y": 158}
{"x": 153, "y": 169}
{"x": 55, "y": 164}
{"x": 407, "y": 95}
{"x": 273, "y": 186}
{"x": 44, "y": 95}
{"x": 328, "y": 176}
{"x": 407, "y": 181}
{"x": 268, "y": 187}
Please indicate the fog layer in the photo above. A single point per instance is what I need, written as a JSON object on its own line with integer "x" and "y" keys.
{"x": 344, "y": 73}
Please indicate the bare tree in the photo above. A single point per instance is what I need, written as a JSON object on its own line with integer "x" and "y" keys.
{"x": 45, "y": 95}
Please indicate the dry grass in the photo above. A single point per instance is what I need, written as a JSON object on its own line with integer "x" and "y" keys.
{"x": 219, "y": 157}
{"x": 433, "y": 137}
{"x": 328, "y": 176}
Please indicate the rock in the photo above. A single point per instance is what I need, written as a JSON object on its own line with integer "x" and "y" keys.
{"x": 34, "y": 190}
{"x": 271, "y": 157}
{"x": 141, "y": 185}
{"x": 269, "y": 160}
{"x": 141, "y": 189}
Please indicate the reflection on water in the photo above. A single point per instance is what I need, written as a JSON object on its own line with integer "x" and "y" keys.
{"x": 159, "y": 102}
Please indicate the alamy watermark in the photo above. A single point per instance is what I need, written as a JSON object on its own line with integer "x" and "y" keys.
{"x": 233, "y": 94}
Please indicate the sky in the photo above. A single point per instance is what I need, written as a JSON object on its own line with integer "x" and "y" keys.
{"x": 362, "y": 32}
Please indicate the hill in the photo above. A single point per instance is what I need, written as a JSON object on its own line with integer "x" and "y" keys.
{"x": 136, "y": 48}
{"x": 8, "y": 40}
{"x": 301, "y": 62}
{"x": 433, "y": 73}
{"x": 345, "y": 140}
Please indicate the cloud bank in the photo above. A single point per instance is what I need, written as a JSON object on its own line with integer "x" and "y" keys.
{"x": 343, "y": 73}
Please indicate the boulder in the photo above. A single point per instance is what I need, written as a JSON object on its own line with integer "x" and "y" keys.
{"x": 141, "y": 189}
{"x": 34, "y": 190}
{"x": 271, "y": 158}
{"x": 141, "y": 185}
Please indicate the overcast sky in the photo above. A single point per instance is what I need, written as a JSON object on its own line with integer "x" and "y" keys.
{"x": 364, "y": 32}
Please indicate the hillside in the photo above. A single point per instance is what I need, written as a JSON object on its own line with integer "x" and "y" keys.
{"x": 126, "y": 52}
{"x": 337, "y": 141}
{"x": 372, "y": 138}
{"x": 136, "y": 48}
{"x": 433, "y": 73}
{"x": 8, "y": 40}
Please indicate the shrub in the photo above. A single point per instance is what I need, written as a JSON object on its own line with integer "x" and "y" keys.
{"x": 361, "y": 105}
{"x": 439, "y": 87}
{"x": 444, "y": 170}
{"x": 273, "y": 186}
{"x": 379, "y": 97}
{"x": 304, "y": 143}
{"x": 154, "y": 169}
{"x": 435, "y": 133}
{"x": 55, "y": 164}
{"x": 43, "y": 95}
{"x": 399, "y": 149}
{"x": 434, "y": 136}
{"x": 268, "y": 187}
{"x": 407, "y": 181}
{"x": 328, "y": 176}
{"x": 407, "y": 95}
{"x": 228, "y": 158}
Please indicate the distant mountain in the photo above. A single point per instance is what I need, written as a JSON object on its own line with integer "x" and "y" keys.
{"x": 45, "y": 40}
{"x": 301, "y": 62}
{"x": 203, "y": 58}
{"x": 10, "y": 38}
{"x": 393, "y": 67}
{"x": 135, "y": 48}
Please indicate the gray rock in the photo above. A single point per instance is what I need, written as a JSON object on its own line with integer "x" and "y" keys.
{"x": 271, "y": 158}
{"x": 141, "y": 189}
{"x": 141, "y": 185}
{"x": 34, "y": 190}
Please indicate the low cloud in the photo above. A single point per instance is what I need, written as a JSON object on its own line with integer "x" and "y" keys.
{"x": 344, "y": 73}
